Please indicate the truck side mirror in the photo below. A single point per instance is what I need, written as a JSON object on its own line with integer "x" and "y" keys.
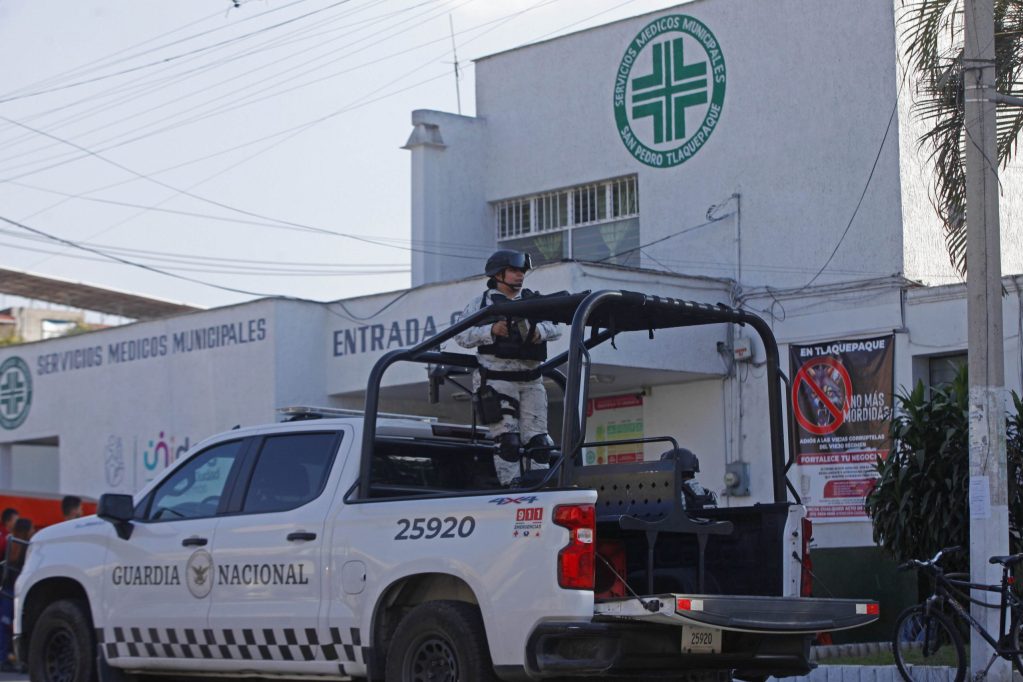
{"x": 119, "y": 510}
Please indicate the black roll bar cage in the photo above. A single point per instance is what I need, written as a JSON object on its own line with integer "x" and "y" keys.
{"x": 606, "y": 313}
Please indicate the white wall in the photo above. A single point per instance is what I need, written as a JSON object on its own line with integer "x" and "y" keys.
{"x": 449, "y": 211}
{"x": 298, "y": 376}
{"x": 810, "y": 87}
{"x": 936, "y": 322}
{"x": 122, "y": 410}
{"x": 810, "y": 91}
{"x": 694, "y": 414}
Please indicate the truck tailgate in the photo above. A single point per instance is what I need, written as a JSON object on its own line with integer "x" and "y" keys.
{"x": 776, "y": 615}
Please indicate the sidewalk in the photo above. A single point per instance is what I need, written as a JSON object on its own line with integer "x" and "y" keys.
{"x": 872, "y": 673}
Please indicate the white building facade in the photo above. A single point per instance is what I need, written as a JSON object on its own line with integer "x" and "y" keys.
{"x": 761, "y": 155}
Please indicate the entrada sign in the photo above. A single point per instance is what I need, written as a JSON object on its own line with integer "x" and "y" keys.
{"x": 669, "y": 90}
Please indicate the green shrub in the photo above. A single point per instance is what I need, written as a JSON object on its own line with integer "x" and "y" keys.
{"x": 919, "y": 503}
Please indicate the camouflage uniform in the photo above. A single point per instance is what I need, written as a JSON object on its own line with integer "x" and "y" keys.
{"x": 531, "y": 417}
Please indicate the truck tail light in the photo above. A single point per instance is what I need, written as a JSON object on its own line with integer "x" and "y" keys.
{"x": 806, "y": 575}
{"x": 576, "y": 559}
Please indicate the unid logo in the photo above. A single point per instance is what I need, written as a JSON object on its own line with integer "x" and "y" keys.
{"x": 669, "y": 90}
{"x": 15, "y": 392}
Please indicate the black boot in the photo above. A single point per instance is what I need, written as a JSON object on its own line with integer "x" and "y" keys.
{"x": 539, "y": 448}
{"x": 509, "y": 446}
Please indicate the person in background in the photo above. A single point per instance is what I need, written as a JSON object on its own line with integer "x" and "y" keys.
{"x": 10, "y": 515}
{"x": 20, "y": 534}
{"x": 694, "y": 495}
{"x": 71, "y": 507}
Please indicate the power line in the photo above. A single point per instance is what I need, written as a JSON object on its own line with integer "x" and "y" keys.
{"x": 148, "y": 87}
{"x": 172, "y": 211}
{"x": 125, "y": 261}
{"x": 189, "y": 258}
{"x": 276, "y": 221}
{"x": 350, "y": 316}
{"x": 498, "y": 22}
{"x": 866, "y": 186}
{"x": 582, "y": 21}
{"x": 279, "y": 222}
{"x": 219, "y": 204}
{"x": 84, "y": 67}
{"x": 687, "y": 230}
{"x": 380, "y": 241}
{"x": 226, "y": 270}
{"x": 171, "y": 58}
{"x": 236, "y": 103}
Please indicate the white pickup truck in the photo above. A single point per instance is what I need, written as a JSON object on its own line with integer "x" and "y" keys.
{"x": 384, "y": 548}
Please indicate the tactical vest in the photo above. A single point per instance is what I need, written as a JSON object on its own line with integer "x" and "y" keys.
{"x": 513, "y": 346}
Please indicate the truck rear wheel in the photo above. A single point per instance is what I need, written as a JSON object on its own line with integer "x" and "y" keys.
{"x": 63, "y": 648}
{"x": 440, "y": 641}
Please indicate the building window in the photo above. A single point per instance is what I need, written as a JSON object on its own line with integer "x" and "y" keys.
{"x": 594, "y": 222}
{"x": 942, "y": 369}
{"x": 551, "y": 211}
{"x": 513, "y": 219}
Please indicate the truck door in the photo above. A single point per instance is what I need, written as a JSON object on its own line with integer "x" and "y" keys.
{"x": 158, "y": 581}
{"x": 269, "y": 554}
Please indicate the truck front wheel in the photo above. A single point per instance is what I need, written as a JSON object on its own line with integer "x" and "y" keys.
{"x": 63, "y": 648}
{"x": 440, "y": 641}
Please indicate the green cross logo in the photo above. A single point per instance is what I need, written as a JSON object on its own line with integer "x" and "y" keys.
{"x": 15, "y": 392}
{"x": 666, "y": 93}
{"x": 669, "y": 107}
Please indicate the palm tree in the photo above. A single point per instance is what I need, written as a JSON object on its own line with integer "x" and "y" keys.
{"x": 933, "y": 35}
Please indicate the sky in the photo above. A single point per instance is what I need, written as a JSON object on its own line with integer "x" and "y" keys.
{"x": 235, "y": 148}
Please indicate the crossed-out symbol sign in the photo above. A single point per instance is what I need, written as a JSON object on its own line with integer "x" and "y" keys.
{"x": 829, "y": 387}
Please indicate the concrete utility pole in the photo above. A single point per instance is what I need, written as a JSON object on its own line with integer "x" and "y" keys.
{"x": 989, "y": 511}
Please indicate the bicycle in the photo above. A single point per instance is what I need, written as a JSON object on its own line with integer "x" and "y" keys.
{"x": 927, "y": 635}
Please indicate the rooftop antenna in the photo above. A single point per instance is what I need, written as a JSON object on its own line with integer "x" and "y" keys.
{"x": 458, "y": 90}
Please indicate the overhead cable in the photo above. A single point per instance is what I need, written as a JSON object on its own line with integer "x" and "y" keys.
{"x": 309, "y": 228}
{"x": 252, "y": 98}
{"x": 131, "y": 94}
{"x": 101, "y": 62}
{"x": 866, "y": 186}
{"x": 165, "y": 60}
{"x": 227, "y": 270}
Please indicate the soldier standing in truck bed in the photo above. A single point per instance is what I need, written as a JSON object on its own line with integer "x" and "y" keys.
{"x": 510, "y": 394}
